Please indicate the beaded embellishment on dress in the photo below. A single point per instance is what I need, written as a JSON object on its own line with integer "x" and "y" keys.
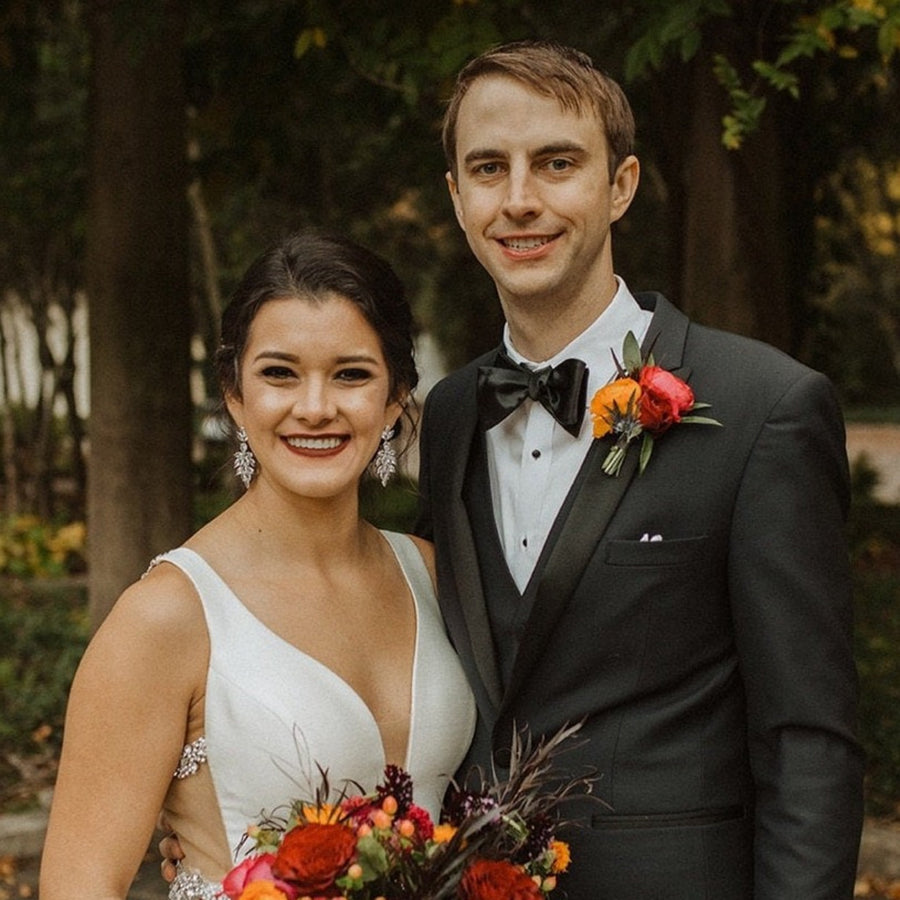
{"x": 189, "y": 885}
{"x": 153, "y": 564}
{"x": 192, "y": 757}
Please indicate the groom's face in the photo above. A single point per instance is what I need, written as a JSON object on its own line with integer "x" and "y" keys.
{"x": 532, "y": 192}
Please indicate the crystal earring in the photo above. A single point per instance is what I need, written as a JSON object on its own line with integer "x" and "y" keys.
{"x": 244, "y": 460}
{"x": 385, "y": 462}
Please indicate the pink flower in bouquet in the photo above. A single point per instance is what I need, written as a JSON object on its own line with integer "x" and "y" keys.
{"x": 255, "y": 869}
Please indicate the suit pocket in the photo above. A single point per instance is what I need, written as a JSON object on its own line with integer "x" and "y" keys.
{"x": 686, "y": 819}
{"x": 676, "y": 552}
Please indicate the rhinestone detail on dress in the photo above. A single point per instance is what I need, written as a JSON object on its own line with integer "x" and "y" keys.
{"x": 192, "y": 757}
{"x": 153, "y": 564}
{"x": 193, "y": 886}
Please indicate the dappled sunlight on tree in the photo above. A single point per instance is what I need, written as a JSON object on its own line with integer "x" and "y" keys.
{"x": 859, "y": 248}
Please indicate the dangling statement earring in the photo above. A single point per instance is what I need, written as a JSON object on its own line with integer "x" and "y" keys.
{"x": 244, "y": 460}
{"x": 385, "y": 462}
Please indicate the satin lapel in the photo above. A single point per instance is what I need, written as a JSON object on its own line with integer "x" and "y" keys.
{"x": 667, "y": 333}
{"x": 587, "y": 511}
{"x": 463, "y": 558}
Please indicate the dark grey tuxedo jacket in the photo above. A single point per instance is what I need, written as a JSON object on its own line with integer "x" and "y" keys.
{"x": 713, "y": 669}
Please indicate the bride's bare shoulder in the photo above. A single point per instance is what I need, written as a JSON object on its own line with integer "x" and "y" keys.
{"x": 163, "y": 602}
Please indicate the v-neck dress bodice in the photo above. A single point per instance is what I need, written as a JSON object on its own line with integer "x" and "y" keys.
{"x": 273, "y": 714}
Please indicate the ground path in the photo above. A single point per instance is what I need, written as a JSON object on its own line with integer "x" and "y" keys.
{"x": 880, "y": 446}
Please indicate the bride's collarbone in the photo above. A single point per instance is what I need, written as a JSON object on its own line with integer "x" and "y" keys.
{"x": 319, "y": 616}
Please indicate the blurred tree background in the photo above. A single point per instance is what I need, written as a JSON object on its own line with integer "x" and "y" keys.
{"x": 149, "y": 151}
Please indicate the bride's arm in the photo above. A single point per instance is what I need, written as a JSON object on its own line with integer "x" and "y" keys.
{"x": 125, "y": 728}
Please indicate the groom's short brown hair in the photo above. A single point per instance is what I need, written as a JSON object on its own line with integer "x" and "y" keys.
{"x": 557, "y": 71}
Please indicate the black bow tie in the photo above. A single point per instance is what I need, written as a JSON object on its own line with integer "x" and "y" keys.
{"x": 561, "y": 390}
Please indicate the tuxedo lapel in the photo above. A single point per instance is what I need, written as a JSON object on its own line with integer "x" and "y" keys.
{"x": 586, "y": 512}
{"x": 667, "y": 333}
{"x": 466, "y": 587}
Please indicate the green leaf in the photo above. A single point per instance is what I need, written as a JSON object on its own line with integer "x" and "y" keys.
{"x": 646, "y": 450}
{"x": 888, "y": 39}
{"x": 700, "y": 420}
{"x": 778, "y": 78}
{"x": 372, "y": 857}
{"x": 631, "y": 353}
{"x": 690, "y": 45}
{"x": 303, "y": 43}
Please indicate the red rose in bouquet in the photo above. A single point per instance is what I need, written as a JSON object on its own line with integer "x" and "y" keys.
{"x": 312, "y": 856}
{"x": 496, "y": 879}
{"x": 664, "y": 398}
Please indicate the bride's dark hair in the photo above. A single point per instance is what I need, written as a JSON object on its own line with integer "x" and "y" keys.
{"x": 311, "y": 265}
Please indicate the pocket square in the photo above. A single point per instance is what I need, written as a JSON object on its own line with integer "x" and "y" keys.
{"x": 651, "y": 537}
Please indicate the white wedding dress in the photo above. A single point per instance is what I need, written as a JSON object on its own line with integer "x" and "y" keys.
{"x": 272, "y": 715}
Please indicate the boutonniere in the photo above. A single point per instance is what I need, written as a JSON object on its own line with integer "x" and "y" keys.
{"x": 642, "y": 400}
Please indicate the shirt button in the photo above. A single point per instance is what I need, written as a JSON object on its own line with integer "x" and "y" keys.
{"x": 524, "y": 542}
{"x": 535, "y": 454}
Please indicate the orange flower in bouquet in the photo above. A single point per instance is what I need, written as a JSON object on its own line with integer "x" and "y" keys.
{"x": 497, "y": 879}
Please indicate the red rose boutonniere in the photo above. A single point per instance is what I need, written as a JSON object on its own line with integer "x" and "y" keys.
{"x": 642, "y": 399}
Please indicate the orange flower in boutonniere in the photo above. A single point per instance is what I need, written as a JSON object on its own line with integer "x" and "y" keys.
{"x": 643, "y": 399}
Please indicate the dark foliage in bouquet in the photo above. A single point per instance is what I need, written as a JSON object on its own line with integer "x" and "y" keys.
{"x": 494, "y": 842}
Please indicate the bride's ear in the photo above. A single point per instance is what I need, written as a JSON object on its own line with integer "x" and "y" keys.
{"x": 235, "y": 408}
{"x": 395, "y": 409}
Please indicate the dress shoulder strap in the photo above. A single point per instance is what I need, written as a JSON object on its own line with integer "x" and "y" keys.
{"x": 414, "y": 569}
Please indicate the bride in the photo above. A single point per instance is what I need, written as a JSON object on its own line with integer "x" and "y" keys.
{"x": 286, "y": 634}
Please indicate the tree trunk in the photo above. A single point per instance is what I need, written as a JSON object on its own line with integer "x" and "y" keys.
{"x": 139, "y": 499}
{"x": 66, "y": 388}
{"x": 735, "y": 271}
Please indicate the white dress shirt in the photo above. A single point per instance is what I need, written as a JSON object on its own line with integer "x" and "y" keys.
{"x": 532, "y": 459}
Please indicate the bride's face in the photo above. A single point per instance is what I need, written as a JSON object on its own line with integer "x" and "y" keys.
{"x": 315, "y": 395}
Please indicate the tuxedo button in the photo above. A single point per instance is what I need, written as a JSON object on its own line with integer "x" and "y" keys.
{"x": 535, "y": 454}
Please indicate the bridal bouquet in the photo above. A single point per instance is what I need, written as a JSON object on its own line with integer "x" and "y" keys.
{"x": 497, "y": 842}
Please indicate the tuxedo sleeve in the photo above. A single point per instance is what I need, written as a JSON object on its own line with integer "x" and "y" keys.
{"x": 791, "y": 596}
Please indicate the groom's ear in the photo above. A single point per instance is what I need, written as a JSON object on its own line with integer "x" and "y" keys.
{"x": 453, "y": 187}
{"x": 624, "y": 187}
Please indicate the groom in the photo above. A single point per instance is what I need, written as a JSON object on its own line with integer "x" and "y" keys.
{"x": 695, "y": 616}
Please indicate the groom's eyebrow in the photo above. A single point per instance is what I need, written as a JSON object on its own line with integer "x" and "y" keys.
{"x": 551, "y": 149}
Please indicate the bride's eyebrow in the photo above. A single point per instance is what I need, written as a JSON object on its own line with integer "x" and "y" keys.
{"x": 359, "y": 358}
{"x": 276, "y": 354}
{"x": 293, "y": 358}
